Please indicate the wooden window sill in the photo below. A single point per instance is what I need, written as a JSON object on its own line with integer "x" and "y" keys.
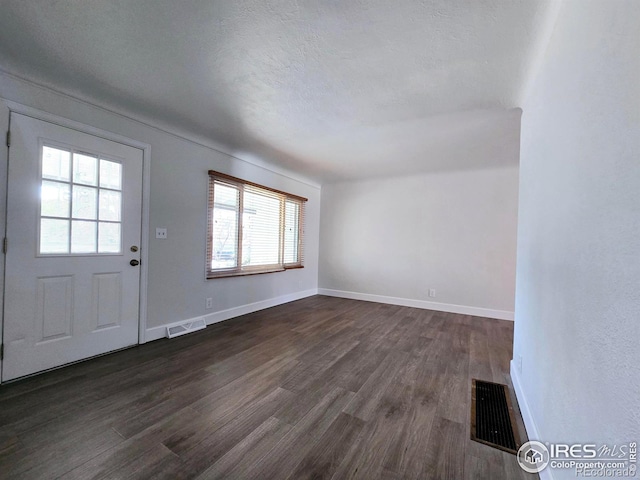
{"x": 211, "y": 276}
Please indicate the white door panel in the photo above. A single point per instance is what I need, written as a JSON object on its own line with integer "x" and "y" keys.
{"x": 73, "y": 214}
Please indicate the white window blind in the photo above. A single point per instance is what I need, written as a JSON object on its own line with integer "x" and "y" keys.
{"x": 252, "y": 228}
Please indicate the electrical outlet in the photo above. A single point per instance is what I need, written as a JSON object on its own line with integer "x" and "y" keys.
{"x": 161, "y": 233}
{"x": 209, "y": 302}
{"x": 432, "y": 292}
{"x": 519, "y": 364}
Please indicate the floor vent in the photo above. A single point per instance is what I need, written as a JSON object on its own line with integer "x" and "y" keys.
{"x": 186, "y": 327}
{"x": 492, "y": 420}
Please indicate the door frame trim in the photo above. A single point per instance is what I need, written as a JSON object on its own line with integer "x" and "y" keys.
{"x": 14, "y": 107}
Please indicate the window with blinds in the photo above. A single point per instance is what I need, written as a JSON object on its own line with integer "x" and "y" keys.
{"x": 252, "y": 228}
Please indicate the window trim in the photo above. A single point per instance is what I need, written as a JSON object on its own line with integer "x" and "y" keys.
{"x": 239, "y": 270}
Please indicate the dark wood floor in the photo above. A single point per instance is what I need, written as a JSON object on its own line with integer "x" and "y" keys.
{"x": 318, "y": 388}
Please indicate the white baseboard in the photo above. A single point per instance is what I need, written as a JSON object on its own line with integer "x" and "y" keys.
{"x": 407, "y": 302}
{"x": 156, "y": 333}
{"x": 527, "y": 417}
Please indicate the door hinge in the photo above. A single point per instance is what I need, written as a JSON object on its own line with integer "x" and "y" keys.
{"x": 5, "y": 245}
{"x": 8, "y": 138}
{"x": 1, "y": 351}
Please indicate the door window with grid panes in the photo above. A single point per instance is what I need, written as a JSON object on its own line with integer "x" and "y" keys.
{"x": 81, "y": 203}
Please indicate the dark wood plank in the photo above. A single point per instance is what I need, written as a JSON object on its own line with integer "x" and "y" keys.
{"x": 366, "y": 400}
{"x": 203, "y": 448}
{"x": 381, "y": 438}
{"x": 130, "y": 450}
{"x": 327, "y": 455}
{"x": 446, "y": 450}
{"x": 250, "y": 450}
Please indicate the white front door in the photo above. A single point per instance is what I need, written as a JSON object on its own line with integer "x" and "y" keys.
{"x": 73, "y": 242}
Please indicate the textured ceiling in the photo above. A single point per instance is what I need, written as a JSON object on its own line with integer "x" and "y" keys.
{"x": 330, "y": 89}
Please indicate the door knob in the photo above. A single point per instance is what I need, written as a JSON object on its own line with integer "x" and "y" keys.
{"x": 134, "y": 263}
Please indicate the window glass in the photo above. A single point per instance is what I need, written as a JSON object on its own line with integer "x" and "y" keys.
{"x": 54, "y": 236}
{"x": 110, "y": 175}
{"x": 83, "y": 236}
{"x": 291, "y": 227}
{"x": 109, "y": 238}
{"x": 85, "y": 169}
{"x": 260, "y": 229}
{"x": 110, "y": 204}
{"x": 225, "y": 227}
{"x": 55, "y": 163}
{"x": 85, "y": 202}
{"x": 55, "y": 199}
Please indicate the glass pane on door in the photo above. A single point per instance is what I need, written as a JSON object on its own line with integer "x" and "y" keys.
{"x": 110, "y": 175}
{"x": 83, "y": 236}
{"x": 55, "y": 163}
{"x": 109, "y": 238}
{"x": 85, "y": 169}
{"x": 85, "y": 202}
{"x": 54, "y": 199}
{"x": 54, "y": 236}
{"x": 110, "y": 205}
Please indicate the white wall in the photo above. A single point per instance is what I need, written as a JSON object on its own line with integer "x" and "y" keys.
{"x": 577, "y": 325}
{"x": 178, "y": 201}
{"x": 454, "y": 232}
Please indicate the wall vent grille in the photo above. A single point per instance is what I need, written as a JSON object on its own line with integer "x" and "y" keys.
{"x": 492, "y": 420}
{"x": 186, "y": 327}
